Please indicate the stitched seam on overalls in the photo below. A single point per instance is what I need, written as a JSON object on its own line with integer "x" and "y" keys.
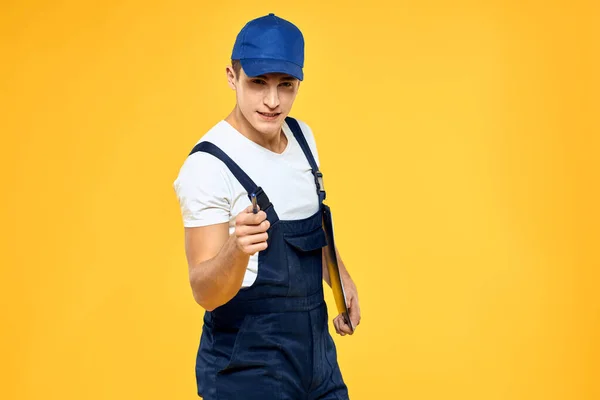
{"x": 312, "y": 354}
{"x": 331, "y": 376}
{"x": 279, "y": 377}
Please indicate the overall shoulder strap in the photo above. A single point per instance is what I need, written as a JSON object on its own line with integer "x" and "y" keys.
{"x": 248, "y": 184}
{"x": 297, "y": 131}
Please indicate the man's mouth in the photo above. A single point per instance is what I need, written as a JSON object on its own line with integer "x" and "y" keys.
{"x": 268, "y": 115}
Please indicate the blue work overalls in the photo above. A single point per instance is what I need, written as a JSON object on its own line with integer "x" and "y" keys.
{"x": 271, "y": 341}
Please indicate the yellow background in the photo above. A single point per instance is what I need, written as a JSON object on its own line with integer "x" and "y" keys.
{"x": 459, "y": 142}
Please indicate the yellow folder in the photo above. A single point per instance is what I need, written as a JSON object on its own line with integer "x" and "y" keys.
{"x": 332, "y": 266}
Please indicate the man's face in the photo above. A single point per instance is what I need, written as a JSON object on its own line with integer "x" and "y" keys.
{"x": 265, "y": 100}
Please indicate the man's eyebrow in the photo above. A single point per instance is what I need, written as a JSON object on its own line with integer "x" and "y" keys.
{"x": 284, "y": 78}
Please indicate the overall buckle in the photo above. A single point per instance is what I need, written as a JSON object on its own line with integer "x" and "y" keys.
{"x": 320, "y": 185}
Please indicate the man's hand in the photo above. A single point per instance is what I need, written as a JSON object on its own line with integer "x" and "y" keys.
{"x": 353, "y": 309}
{"x": 251, "y": 231}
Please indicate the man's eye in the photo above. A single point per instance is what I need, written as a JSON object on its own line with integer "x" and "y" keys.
{"x": 258, "y": 81}
{"x": 287, "y": 84}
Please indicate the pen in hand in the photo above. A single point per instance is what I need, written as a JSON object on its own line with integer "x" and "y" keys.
{"x": 254, "y": 204}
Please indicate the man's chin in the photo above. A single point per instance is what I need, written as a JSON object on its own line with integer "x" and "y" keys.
{"x": 268, "y": 127}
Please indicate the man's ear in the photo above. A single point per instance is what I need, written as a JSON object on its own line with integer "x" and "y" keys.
{"x": 231, "y": 78}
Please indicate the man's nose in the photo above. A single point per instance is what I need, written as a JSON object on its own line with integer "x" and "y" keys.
{"x": 272, "y": 98}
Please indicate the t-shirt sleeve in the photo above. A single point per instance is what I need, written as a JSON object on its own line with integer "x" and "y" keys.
{"x": 310, "y": 139}
{"x": 203, "y": 191}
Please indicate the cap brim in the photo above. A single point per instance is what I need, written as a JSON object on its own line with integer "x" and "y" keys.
{"x": 256, "y": 67}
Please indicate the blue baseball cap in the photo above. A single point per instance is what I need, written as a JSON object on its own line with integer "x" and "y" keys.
{"x": 270, "y": 44}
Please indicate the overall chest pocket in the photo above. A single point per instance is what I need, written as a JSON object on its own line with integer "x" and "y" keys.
{"x": 305, "y": 263}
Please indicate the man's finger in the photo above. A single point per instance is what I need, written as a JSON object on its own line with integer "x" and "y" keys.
{"x": 246, "y": 230}
{"x": 254, "y": 239}
{"x": 257, "y": 218}
{"x": 249, "y": 209}
{"x": 251, "y": 218}
{"x": 342, "y": 326}
{"x": 255, "y": 248}
{"x": 337, "y": 323}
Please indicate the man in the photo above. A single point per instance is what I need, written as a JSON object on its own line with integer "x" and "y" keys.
{"x": 258, "y": 271}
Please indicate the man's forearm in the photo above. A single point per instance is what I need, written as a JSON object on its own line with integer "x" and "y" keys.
{"x": 217, "y": 280}
{"x": 345, "y": 275}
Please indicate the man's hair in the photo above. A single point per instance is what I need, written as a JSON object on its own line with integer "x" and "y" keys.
{"x": 237, "y": 67}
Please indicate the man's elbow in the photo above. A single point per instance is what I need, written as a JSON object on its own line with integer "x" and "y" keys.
{"x": 210, "y": 301}
{"x": 208, "y": 306}
{"x": 202, "y": 301}
{"x": 200, "y": 291}
{"x": 208, "y": 294}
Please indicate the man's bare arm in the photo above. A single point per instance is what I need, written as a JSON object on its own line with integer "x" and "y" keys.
{"x": 217, "y": 261}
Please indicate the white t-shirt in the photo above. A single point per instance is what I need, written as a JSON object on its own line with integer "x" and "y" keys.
{"x": 209, "y": 194}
